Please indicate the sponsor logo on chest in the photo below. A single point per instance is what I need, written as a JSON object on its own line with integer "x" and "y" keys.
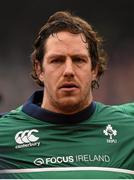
{"x": 80, "y": 158}
{"x": 27, "y": 138}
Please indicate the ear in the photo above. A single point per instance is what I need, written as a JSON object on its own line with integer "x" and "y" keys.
{"x": 95, "y": 73}
{"x": 39, "y": 71}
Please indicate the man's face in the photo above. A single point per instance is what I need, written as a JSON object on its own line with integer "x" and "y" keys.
{"x": 66, "y": 73}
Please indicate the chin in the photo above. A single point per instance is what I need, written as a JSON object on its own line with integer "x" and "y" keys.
{"x": 70, "y": 105}
{"x": 68, "y": 101}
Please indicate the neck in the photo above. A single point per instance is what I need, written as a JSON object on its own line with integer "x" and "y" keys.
{"x": 62, "y": 108}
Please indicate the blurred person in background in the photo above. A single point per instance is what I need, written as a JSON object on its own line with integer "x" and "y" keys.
{"x": 60, "y": 131}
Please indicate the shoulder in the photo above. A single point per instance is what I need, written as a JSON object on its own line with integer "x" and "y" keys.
{"x": 100, "y": 107}
{"x": 115, "y": 113}
{"x": 16, "y": 119}
{"x": 127, "y": 108}
{"x": 124, "y": 108}
{"x": 8, "y": 119}
{"x": 10, "y": 124}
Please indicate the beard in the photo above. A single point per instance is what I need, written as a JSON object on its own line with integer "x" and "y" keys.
{"x": 70, "y": 104}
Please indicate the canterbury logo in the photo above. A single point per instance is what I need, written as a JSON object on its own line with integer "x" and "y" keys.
{"x": 26, "y": 136}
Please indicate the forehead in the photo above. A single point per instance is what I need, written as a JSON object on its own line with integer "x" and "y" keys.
{"x": 66, "y": 41}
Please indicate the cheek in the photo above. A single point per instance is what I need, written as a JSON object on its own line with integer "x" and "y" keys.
{"x": 86, "y": 82}
{"x": 86, "y": 77}
{"x": 50, "y": 83}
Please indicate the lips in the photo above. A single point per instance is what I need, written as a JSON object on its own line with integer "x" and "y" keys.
{"x": 68, "y": 85}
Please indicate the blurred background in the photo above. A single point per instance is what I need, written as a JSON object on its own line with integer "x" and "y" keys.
{"x": 21, "y": 20}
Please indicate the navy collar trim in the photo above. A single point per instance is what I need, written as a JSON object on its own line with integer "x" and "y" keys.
{"x": 33, "y": 109}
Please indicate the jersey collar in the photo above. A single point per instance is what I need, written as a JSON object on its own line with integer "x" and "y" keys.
{"x": 33, "y": 109}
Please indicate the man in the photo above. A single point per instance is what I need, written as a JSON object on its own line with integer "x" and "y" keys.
{"x": 61, "y": 132}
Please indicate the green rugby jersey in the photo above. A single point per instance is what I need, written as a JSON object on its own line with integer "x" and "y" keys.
{"x": 97, "y": 142}
{"x": 127, "y": 108}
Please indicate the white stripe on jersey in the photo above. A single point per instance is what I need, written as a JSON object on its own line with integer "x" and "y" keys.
{"x": 29, "y": 170}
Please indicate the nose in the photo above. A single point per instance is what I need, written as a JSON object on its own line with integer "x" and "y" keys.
{"x": 69, "y": 68}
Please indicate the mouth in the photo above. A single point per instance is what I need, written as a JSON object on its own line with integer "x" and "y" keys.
{"x": 69, "y": 86}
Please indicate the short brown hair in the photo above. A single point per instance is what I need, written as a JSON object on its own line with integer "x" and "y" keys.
{"x": 64, "y": 20}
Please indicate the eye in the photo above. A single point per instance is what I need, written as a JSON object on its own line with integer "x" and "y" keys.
{"x": 79, "y": 60}
{"x": 57, "y": 61}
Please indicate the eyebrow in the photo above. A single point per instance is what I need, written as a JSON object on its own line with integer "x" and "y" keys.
{"x": 81, "y": 56}
{"x": 62, "y": 56}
